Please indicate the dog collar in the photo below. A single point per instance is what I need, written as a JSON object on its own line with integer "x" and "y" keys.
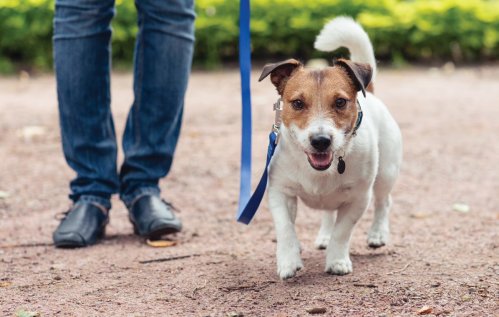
{"x": 360, "y": 114}
{"x": 341, "y": 163}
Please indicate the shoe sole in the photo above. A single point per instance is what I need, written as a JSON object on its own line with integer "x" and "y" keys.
{"x": 158, "y": 232}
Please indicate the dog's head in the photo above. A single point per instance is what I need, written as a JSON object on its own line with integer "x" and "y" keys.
{"x": 319, "y": 106}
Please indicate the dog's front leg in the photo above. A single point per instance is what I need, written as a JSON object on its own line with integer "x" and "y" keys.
{"x": 283, "y": 208}
{"x": 338, "y": 257}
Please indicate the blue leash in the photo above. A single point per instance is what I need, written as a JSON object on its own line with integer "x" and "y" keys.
{"x": 248, "y": 205}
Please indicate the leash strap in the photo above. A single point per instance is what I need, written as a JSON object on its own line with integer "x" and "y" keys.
{"x": 248, "y": 204}
{"x": 245, "y": 69}
{"x": 248, "y": 212}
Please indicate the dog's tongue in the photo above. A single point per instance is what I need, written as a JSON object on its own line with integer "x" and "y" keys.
{"x": 320, "y": 161}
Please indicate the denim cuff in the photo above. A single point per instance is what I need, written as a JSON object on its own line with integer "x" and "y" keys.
{"x": 143, "y": 191}
{"x": 106, "y": 203}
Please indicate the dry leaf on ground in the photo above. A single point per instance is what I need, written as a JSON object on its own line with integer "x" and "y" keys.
{"x": 161, "y": 243}
{"x": 425, "y": 310}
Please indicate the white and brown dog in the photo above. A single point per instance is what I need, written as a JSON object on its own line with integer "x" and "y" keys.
{"x": 337, "y": 149}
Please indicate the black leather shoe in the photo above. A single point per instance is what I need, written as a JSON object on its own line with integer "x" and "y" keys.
{"x": 152, "y": 217}
{"x": 83, "y": 225}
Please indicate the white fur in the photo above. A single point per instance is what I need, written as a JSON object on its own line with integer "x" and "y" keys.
{"x": 373, "y": 158}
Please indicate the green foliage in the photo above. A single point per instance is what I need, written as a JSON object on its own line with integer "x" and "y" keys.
{"x": 401, "y": 30}
{"x": 25, "y": 33}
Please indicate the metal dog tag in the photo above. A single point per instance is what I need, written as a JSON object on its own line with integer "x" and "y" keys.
{"x": 341, "y": 165}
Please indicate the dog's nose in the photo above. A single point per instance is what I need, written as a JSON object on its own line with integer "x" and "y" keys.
{"x": 320, "y": 142}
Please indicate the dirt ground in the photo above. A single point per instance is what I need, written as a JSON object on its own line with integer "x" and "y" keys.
{"x": 438, "y": 257}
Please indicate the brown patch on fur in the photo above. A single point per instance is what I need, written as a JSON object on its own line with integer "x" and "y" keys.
{"x": 319, "y": 89}
{"x": 280, "y": 72}
{"x": 360, "y": 73}
{"x": 370, "y": 87}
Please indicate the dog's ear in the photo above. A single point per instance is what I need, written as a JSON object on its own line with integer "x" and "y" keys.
{"x": 280, "y": 72}
{"x": 360, "y": 73}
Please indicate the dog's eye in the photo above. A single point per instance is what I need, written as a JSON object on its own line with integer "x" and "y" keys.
{"x": 297, "y": 104}
{"x": 340, "y": 103}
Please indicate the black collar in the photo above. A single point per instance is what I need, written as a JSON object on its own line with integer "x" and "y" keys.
{"x": 359, "y": 119}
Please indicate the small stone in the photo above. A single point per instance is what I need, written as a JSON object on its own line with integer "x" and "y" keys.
{"x": 461, "y": 207}
{"x": 316, "y": 310}
{"x": 24, "y": 313}
{"x": 32, "y": 133}
{"x": 4, "y": 194}
{"x": 466, "y": 298}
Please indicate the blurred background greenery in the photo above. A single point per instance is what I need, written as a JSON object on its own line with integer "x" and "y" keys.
{"x": 423, "y": 31}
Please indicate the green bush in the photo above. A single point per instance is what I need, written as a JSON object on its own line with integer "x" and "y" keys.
{"x": 412, "y": 30}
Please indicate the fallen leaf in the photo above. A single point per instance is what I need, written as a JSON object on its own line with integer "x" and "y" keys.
{"x": 4, "y": 195}
{"x": 420, "y": 215}
{"x": 193, "y": 134}
{"x": 23, "y": 313}
{"x": 425, "y": 310}
{"x": 5, "y": 284}
{"x": 161, "y": 243}
{"x": 461, "y": 207}
{"x": 316, "y": 310}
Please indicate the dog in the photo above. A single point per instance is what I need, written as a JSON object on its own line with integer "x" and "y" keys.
{"x": 339, "y": 148}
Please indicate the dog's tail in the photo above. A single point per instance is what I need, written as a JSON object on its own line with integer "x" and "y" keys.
{"x": 345, "y": 32}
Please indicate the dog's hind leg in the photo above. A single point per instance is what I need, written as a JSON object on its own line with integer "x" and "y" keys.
{"x": 283, "y": 209}
{"x": 379, "y": 233}
{"x": 327, "y": 225}
{"x": 390, "y": 159}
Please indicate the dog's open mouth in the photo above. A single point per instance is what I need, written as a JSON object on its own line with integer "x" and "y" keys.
{"x": 320, "y": 161}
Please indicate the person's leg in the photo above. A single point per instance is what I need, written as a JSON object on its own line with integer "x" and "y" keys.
{"x": 82, "y": 36}
{"x": 163, "y": 56}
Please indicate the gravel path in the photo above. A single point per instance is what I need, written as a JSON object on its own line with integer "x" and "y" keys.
{"x": 438, "y": 257}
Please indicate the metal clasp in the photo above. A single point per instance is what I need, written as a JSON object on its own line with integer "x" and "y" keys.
{"x": 277, "y": 121}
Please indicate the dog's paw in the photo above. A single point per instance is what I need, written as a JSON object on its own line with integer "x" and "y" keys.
{"x": 377, "y": 238}
{"x": 339, "y": 267}
{"x": 288, "y": 268}
{"x": 322, "y": 241}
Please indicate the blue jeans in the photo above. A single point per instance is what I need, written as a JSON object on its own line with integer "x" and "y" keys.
{"x": 162, "y": 62}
